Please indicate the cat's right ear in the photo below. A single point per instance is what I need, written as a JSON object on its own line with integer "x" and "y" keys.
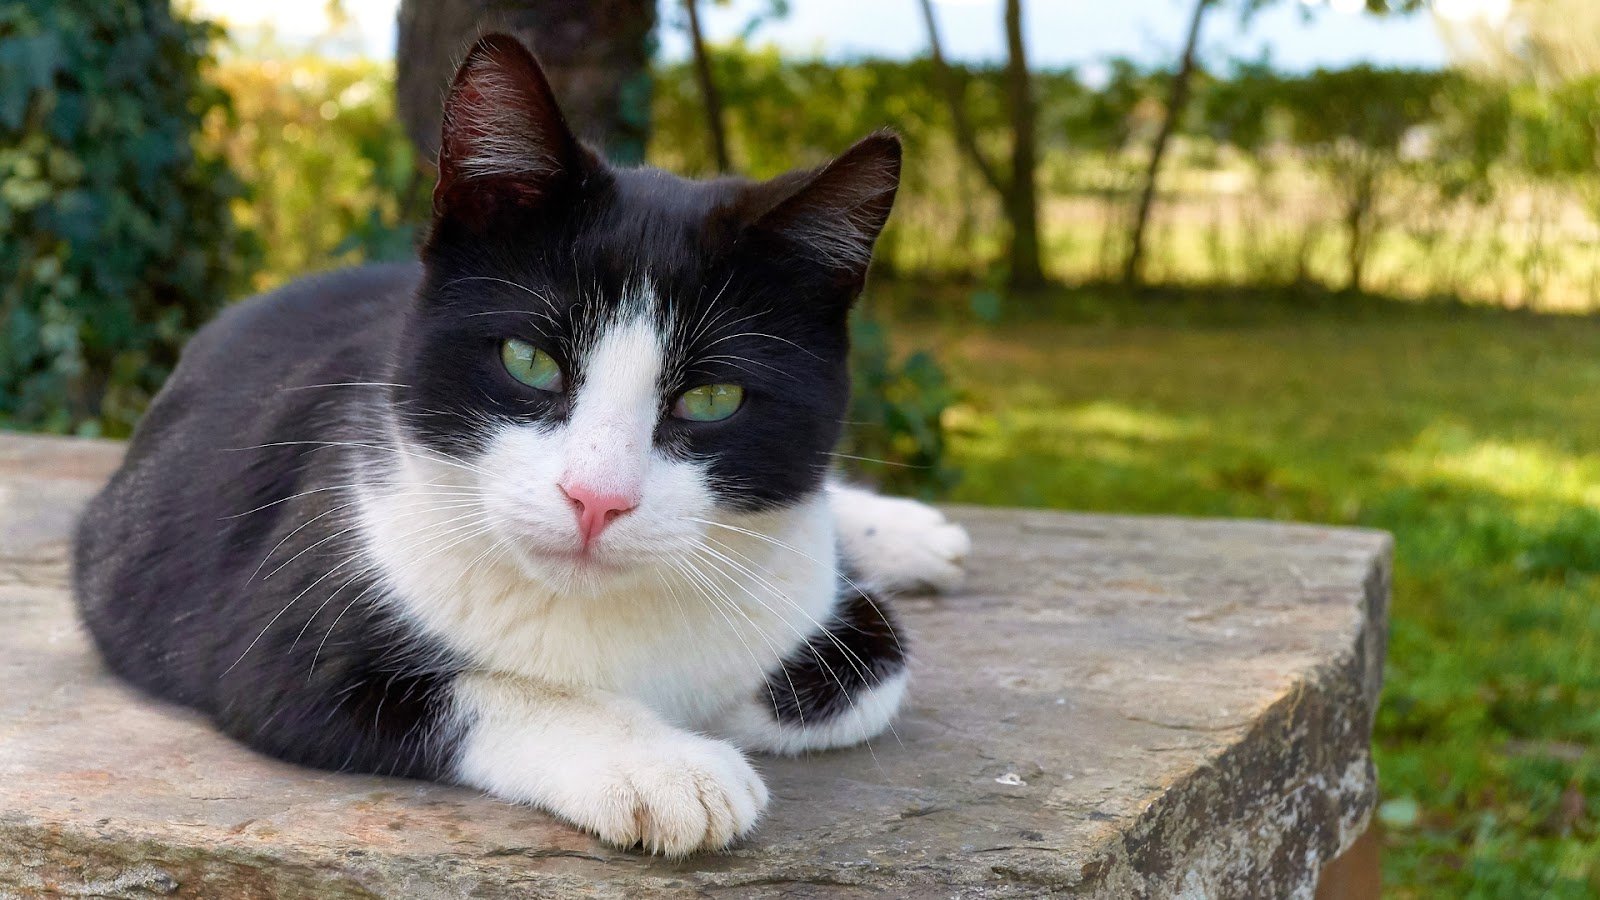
{"x": 505, "y": 144}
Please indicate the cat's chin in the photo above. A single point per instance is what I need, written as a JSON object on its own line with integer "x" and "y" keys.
{"x": 580, "y": 561}
{"x": 575, "y": 568}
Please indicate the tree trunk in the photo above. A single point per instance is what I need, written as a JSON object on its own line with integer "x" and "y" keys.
{"x": 1360, "y": 211}
{"x": 965, "y": 135}
{"x": 1133, "y": 269}
{"x": 596, "y": 52}
{"x": 1019, "y": 196}
{"x": 1022, "y": 201}
{"x": 716, "y": 132}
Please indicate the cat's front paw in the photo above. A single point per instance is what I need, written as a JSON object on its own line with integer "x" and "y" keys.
{"x": 898, "y": 544}
{"x": 679, "y": 796}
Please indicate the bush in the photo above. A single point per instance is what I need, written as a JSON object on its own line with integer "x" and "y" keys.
{"x": 115, "y": 236}
{"x": 333, "y": 179}
{"x": 895, "y": 436}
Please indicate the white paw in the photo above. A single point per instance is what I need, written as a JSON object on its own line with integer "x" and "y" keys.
{"x": 751, "y": 724}
{"x": 676, "y": 796}
{"x": 898, "y": 544}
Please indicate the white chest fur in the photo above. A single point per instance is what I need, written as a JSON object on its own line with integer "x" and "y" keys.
{"x": 687, "y": 634}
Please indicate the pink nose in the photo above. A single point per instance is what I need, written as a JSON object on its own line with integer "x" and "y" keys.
{"x": 595, "y": 509}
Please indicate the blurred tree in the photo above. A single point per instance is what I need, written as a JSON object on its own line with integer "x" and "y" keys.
{"x": 1022, "y": 201}
{"x": 1543, "y": 41}
{"x": 115, "y": 236}
{"x": 333, "y": 178}
{"x": 716, "y": 131}
{"x": 1017, "y": 188}
{"x": 1177, "y": 100}
{"x": 711, "y": 94}
{"x": 596, "y": 52}
{"x": 1354, "y": 123}
{"x": 1132, "y": 272}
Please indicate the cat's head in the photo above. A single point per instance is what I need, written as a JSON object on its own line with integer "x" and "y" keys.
{"x": 619, "y": 354}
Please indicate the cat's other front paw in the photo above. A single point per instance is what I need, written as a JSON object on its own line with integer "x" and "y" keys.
{"x": 685, "y": 795}
{"x": 898, "y": 544}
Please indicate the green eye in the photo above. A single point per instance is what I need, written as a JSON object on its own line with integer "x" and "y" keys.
{"x": 709, "y": 402}
{"x": 530, "y": 365}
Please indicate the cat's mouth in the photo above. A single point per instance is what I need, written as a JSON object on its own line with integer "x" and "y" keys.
{"x": 588, "y": 560}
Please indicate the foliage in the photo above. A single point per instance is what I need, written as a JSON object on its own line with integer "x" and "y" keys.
{"x": 1356, "y": 413}
{"x": 115, "y": 238}
{"x": 782, "y": 113}
{"x": 1353, "y": 124}
{"x": 1536, "y": 41}
{"x": 1423, "y": 184}
{"x": 1417, "y": 183}
{"x": 333, "y": 179}
{"x": 895, "y": 436}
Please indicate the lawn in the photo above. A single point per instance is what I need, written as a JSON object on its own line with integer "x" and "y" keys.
{"x": 1469, "y": 434}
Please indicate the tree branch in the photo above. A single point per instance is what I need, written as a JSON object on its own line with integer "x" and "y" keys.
{"x": 716, "y": 132}
{"x": 966, "y": 137}
{"x": 1133, "y": 270}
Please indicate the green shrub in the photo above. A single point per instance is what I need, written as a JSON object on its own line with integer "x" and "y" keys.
{"x": 115, "y": 236}
{"x": 333, "y": 179}
{"x": 895, "y": 436}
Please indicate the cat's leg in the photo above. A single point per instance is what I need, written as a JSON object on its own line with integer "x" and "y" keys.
{"x": 896, "y": 544}
{"x": 841, "y": 687}
{"x": 604, "y": 763}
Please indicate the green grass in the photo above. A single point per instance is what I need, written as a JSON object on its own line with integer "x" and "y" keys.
{"x": 1471, "y": 435}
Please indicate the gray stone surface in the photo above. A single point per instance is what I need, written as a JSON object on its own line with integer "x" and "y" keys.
{"x": 1115, "y": 707}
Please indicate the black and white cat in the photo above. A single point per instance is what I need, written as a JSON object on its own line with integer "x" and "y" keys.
{"x": 548, "y": 514}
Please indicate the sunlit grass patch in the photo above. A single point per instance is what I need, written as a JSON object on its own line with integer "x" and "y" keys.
{"x": 1474, "y": 437}
{"x": 1525, "y": 470}
{"x": 1119, "y": 421}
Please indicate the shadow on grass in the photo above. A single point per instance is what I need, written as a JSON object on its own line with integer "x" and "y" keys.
{"x": 913, "y": 298}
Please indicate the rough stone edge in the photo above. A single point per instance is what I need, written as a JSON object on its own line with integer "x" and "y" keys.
{"x": 39, "y": 859}
{"x": 1200, "y": 838}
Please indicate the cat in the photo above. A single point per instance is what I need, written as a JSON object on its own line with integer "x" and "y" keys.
{"x": 547, "y": 513}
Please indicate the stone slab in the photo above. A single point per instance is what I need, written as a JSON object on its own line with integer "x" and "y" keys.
{"x": 1116, "y": 706}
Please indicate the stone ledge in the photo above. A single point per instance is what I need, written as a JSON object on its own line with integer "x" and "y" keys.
{"x": 1115, "y": 707}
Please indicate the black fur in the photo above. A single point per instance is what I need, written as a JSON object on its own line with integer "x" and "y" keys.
{"x": 861, "y": 647}
{"x": 172, "y": 565}
{"x": 220, "y": 567}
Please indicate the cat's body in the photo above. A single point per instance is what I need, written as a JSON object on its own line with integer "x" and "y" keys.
{"x": 474, "y": 520}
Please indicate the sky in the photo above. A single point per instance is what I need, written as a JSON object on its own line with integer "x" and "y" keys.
{"x": 1295, "y": 34}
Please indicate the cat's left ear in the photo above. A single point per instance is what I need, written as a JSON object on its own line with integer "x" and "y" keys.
{"x": 832, "y": 216}
{"x": 505, "y": 142}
